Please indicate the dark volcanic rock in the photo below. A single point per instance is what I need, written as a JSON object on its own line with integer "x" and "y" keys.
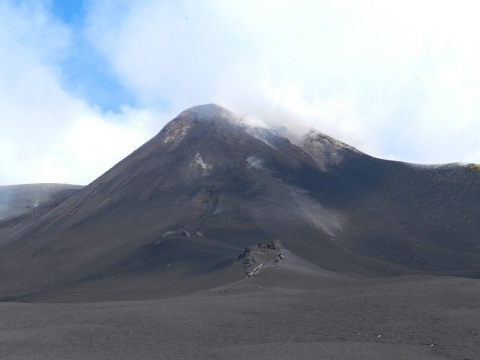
{"x": 256, "y": 257}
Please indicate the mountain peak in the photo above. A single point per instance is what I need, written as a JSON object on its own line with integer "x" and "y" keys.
{"x": 326, "y": 150}
{"x": 186, "y": 124}
{"x": 208, "y": 185}
{"x": 208, "y": 112}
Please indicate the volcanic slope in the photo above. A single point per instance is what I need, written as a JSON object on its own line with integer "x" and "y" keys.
{"x": 23, "y": 205}
{"x": 172, "y": 216}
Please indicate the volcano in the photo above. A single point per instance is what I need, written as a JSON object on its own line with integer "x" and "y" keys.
{"x": 173, "y": 216}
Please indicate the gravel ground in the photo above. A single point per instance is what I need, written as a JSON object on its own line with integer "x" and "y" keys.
{"x": 403, "y": 318}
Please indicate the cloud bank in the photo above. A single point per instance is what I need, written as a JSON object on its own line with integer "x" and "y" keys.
{"x": 396, "y": 79}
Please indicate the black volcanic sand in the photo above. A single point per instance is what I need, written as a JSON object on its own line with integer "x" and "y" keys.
{"x": 401, "y": 318}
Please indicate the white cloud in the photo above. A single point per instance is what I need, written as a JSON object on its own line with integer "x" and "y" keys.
{"x": 397, "y": 79}
{"x": 46, "y": 134}
{"x": 172, "y": 51}
{"x": 392, "y": 78}
{"x": 94, "y": 142}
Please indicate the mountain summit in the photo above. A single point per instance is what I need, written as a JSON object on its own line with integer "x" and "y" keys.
{"x": 177, "y": 212}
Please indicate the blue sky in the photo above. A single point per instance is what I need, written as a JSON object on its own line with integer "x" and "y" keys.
{"x": 85, "y": 73}
{"x": 84, "y": 83}
{"x": 69, "y": 11}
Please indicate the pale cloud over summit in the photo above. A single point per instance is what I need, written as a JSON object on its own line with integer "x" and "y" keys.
{"x": 397, "y": 79}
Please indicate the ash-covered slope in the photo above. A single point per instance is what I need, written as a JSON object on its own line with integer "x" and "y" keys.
{"x": 23, "y": 205}
{"x": 18, "y": 200}
{"x": 177, "y": 211}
